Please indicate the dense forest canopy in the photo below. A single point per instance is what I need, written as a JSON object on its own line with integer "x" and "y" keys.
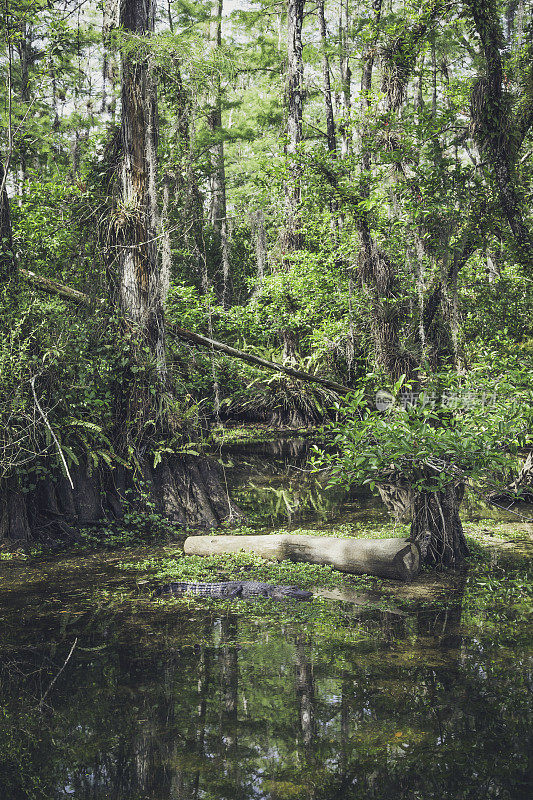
{"x": 342, "y": 187}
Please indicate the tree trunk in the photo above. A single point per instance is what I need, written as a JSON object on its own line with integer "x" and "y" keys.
{"x": 493, "y": 267}
{"x": 166, "y": 247}
{"x": 437, "y": 527}
{"x": 24, "y": 46}
{"x": 140, "y": 287}
{"x": 7, "y": 255}
{"x": 378, "y": 272}
{"x": 217, "y": 207}
{"x": 330, "y": 122}
{"x": 260, "y": 250}
{"x": 295, "y": 70}
{"x": 490, "y": 121}
{"x": 346, "y": 79}
{"x": 398, "y": 498}
{"x": 14, "y": 523}
{"x": 183, "y": 184}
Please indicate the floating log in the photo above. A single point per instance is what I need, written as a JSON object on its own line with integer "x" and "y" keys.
{"x": 398, "y": 559}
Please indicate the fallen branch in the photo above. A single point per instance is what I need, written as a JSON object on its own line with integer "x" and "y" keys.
{"x": 52, "y": 434}
{"x": 45, "y": 695}
{"x": 56, "y": 288}
{"x": 204, "y": 341}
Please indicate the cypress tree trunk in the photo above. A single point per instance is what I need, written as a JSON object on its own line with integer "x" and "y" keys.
{"x": 188, "y": 489}
{"x": 261, "y": 253}
{"x": 378, "y": 272}
{"x": 217, "y": 207}
{"x": 295, "y": 69}
{"x": 346, "y": 78}
{"x": 490, "y": 113}
{"x": 14, "y": 523}
{"x": 140, "y": 284}
{"x": 7, "y": 256}
{"x": 437, "y": 527}
{"x": 24, "y": 48}
{"x": 330, "y": 122}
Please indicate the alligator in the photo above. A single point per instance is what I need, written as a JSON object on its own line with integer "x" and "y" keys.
{"x": 231, "y": 589}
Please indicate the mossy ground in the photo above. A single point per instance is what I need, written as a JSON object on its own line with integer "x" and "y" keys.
{"x": 496, "y": 576}
{"x": 495, "y": 585}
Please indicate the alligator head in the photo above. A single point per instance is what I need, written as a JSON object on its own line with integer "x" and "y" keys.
{"x": 290, "y": 592}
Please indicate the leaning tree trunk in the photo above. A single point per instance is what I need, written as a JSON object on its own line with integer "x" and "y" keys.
{"x": 437, "y": 528}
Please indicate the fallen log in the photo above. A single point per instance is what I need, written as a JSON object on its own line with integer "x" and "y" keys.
{"x": 398, "y": 559}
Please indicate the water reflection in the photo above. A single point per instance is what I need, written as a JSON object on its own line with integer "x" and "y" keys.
{"x": 272, "y": 482}
{"x": 171, "y": 706}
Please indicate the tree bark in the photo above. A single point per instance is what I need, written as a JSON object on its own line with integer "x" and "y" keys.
{"x": 140, "y": 287}
{"x": 346, "y": 79}
{"x": 378, "y": 272}
{"x": 261, "y": 253}
{"x": 24, "y": 47}
{"x": 330, "y": 122}
{"x": 14, "y": 523}
{"x": 7, "y": 255}
{"x": 217, "y": 207}
{"x": 490, "y": 118}
{"x": 437, "y": 527}
{"x": 295, "y": 70}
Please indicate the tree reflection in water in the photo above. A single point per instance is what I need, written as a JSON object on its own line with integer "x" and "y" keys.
{"x": 272, "y": 482}
{"x": 412, "y": 709}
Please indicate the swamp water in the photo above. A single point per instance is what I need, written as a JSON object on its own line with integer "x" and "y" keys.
{"x": 105, "y": 695}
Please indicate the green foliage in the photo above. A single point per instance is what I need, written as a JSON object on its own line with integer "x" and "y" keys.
{"x": 281, "y": 400}
{"x": 426, "y": 444}
{"x": 426, "y": 199}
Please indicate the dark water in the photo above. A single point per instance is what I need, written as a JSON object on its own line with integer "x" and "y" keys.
{"x": 102, "y": 698}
